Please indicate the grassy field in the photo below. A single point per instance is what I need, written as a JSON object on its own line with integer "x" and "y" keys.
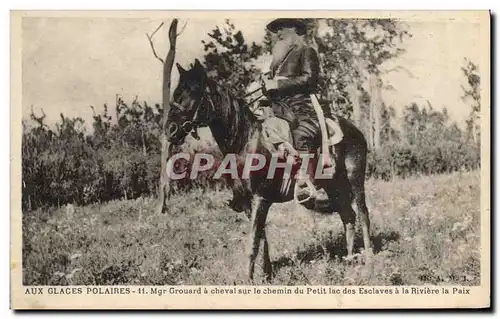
{"x": 425, "y": 231}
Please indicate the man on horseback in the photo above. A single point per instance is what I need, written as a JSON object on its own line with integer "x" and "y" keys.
{"x": 293, "y": 77}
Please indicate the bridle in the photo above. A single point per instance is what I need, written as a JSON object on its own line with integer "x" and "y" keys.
{"x": 198, "y": 120}
{"x": 190, "y": 126}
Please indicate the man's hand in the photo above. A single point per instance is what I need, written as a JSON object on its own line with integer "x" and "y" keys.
{"x": 270, "y": 84}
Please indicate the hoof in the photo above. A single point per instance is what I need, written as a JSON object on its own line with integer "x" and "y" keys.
{"x": 350, "y": 259}
{"x": 234, "y": 205}
{"x": 369, "y": 255}
{"x": 310, "y": 204}
{"x": 369, "y": 252}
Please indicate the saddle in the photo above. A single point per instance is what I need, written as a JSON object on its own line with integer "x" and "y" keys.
{"x": 276, "y": 131}
{"x": 277, "y": 137}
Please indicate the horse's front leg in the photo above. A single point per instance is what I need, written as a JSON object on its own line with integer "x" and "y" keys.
{"x": 260, "y": 208}
{"x": 268, "y": 268}
{"x": 242, "y": 197}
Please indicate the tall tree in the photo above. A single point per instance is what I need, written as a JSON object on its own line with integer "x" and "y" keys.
{"x": 352, "y": 52}
{"x": 472, "y": 93}
{"x": 167, "y": 63}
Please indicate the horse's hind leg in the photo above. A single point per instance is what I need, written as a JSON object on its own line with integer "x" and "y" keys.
{"x": 348, "y": 217}
{"x": 355, "y": 175}
{"x": 359, "y": 206}
{"x": 341, "y": 202}
{"x": 268, "y": 268}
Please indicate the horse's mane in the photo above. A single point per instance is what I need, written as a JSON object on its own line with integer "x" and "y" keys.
{"x": 232, "y": 119}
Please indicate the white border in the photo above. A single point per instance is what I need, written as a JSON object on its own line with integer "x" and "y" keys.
{"x": 185, "y": 4}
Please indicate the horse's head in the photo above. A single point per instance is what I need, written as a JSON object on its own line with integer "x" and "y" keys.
{"x": 188, "y": 107}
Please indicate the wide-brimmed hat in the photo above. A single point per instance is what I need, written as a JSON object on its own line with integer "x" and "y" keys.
{"x": 299, "y": 24}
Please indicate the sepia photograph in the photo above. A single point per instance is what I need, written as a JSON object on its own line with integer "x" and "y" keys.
{"x": 235, "y": 154}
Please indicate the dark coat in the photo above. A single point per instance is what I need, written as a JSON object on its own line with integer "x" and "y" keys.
{"x": 291, "y": 100}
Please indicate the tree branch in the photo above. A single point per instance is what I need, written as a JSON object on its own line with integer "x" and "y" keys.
{"x": 150, "y": 39}
{"x": 183, "y": 27}
{"x": 161, "y": 25}
{"x": 399, "y": 68}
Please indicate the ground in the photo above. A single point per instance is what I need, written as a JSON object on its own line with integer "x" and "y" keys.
{"x": 426, "y": 230}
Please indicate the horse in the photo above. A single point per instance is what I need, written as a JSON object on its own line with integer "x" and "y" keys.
{"x": 199, "y": 101}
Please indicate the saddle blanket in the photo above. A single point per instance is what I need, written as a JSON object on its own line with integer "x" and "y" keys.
{"x": 276, "y": 130}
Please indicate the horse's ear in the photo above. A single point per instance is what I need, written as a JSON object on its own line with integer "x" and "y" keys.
{"x": 197, "y": 64}
{"x": 180, "y": 68}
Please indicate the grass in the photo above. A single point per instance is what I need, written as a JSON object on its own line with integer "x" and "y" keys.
{"x": 425, "y": 231}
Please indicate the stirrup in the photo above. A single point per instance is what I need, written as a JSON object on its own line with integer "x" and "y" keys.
{"x": 312, "y": 192}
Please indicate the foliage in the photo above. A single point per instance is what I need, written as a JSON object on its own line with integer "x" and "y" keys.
{"x": 426, "y": 144}
{"x": 350, "y": 50}
{"x": 68, "y": 165}
{"x": 229, "y": 60}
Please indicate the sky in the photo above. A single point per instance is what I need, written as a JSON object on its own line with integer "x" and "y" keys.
{"x": 69, "y": 64}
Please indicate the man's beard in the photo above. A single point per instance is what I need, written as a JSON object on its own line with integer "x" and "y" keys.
{"x": 280, "y": 49}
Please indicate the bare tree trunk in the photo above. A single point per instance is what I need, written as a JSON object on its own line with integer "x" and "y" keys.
{"x": 370, "y": 121}
{"x": 164, "y": 188}
{"x": 144, "y": 150}
{"x": 352, "y": 90}
{"x": 117, "y": 105}
{"x": 390, "y": 133}
{"x": 377, "y": 110}
{"x": 475, "y": 137}
{"x": 474, "y": 132}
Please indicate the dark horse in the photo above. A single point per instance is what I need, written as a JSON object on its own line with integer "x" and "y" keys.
{"x": 198, "y": 101}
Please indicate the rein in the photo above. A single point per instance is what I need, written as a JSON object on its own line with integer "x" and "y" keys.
{"x": 190, "y": 126}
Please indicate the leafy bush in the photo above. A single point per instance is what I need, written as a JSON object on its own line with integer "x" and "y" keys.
{"x": 67, "y": 164}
